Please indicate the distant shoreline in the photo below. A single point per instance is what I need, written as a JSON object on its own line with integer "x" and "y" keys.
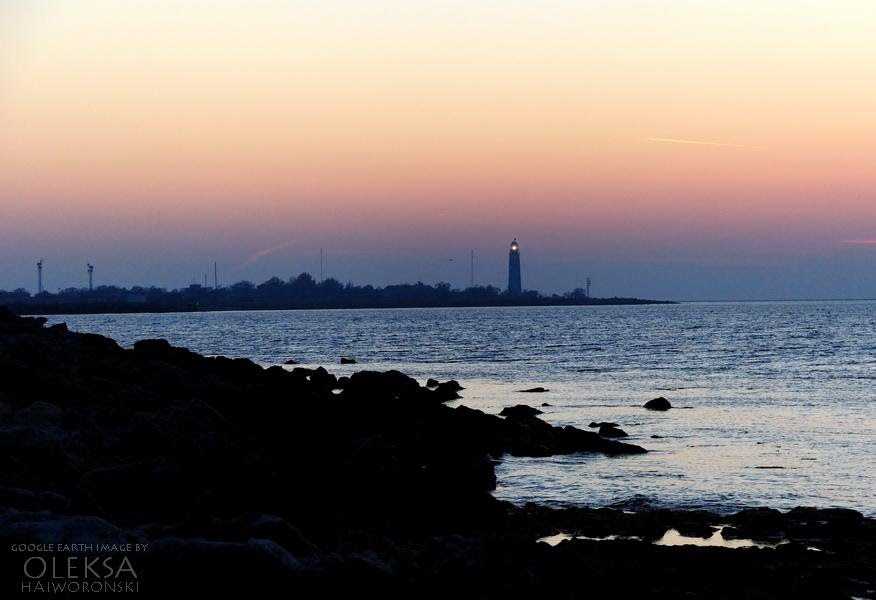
{"x": 125, "y": 308}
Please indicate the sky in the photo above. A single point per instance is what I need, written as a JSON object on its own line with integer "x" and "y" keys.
{"x": 679, "y": 149}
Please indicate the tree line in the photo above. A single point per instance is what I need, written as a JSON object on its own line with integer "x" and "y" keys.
{"x": 301, "y": 291}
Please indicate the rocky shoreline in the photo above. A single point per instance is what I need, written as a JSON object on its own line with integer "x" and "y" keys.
{"x": 234, "y": 478}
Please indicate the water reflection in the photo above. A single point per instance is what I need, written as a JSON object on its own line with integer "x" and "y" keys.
{"x": 671, "y": 538}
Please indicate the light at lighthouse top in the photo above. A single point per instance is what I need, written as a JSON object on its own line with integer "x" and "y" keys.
{"x": 515, "y": 247}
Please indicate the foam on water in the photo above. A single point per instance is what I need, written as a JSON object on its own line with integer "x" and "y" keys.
{"x": 782, "y": 385}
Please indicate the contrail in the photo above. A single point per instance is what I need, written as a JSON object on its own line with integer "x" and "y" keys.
{"x": 702, "y": 143}
{"x": 256, "y": 256}
{"x": 870, "y": 242}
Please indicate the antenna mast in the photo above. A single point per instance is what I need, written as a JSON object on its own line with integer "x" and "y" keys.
{"x": 40, "y": 276}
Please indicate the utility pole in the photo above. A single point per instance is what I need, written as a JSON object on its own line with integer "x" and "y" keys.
{"x": 472, "y": 268}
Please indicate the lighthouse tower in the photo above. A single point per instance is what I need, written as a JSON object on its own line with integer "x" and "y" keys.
{"x": 514, "y": 284}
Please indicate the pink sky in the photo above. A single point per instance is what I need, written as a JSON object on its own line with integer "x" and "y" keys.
{"x": 136, "y": 132}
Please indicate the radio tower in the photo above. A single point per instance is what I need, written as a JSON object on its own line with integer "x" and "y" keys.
{"x": 90, "y": 277}
{"x": 587, "y": 284}
{"x": 40, "y": 276}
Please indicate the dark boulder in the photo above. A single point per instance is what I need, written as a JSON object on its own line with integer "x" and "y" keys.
{"x": 602, "y": 424}
{"x": 323, "y": 378}
{"x": 157, "y": 347}
{"x": 521, "y": 410}
{"x": 291, "y": 362}
{"x": 535, "y": 390}
{"x": 694, "y": 529}
{"x": 576, "y": 440}
{"x": 453, "y": 385}
{"x": 660, "y": 403}
{"x": 345, "y": 360}
{"x": 610, "y": 431}
{"x": 446, "y": 391}
{"x": 380, "y": 384}
{"x": 276, "y": 529}
{"x": 47, "y": 528}
{"x": 195, "y": 565}
{"x": 430, "y": 383}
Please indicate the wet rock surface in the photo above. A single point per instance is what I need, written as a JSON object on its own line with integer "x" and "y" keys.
{"x": 660, "y": 403}
{"x": 610, "y": 431}
{"x": 246, "y": 479}
{"x": 519, "y": 411}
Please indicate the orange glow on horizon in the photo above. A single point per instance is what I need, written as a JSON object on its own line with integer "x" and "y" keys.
{"x": 239, "y": 117}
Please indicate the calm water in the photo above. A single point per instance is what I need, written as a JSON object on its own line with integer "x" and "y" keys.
{"x": 758, "y": 385}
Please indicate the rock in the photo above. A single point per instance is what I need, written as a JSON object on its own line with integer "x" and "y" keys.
{"x": 431, "y": 383}
{"x": 345, "y": 360}
{"x": 535, "y": 390}
{"x": 155, "y": 347}
{"x": 446, "y": 391}
{"x": 48, "y": 528}
{"x": 660, "y": 403}
{"x": 276, "y": 529}
{"x": 376, "y": 384}
{"x": 237, "y": 475}
{"x": 657, "y": 437}
{"x": 39, "y": 413}
{"x": 219, "y": 566}
{"x": 758, "y": 519}
{"x": 521, "y": 410}
{"x": 19, "y": 499}
{"x": 546, "y": 404}
{"x": 694, "y": 529}
{"x": 575, "y": 440}
{"x": 323, "y": 378}
{"x": 453, "y": 385}
{"x": 602, "y": 424}
{"x": 302, "y": 372}
{"x": 291, "y": 362}
{"x": 611, "y": 432}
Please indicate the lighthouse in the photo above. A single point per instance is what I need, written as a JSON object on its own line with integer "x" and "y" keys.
{"x": 514, "y": 284}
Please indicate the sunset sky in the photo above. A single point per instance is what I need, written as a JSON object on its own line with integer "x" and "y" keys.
{"x": 676, "y": 148}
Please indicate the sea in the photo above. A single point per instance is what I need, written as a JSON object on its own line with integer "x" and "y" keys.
{"x": 773, "y": 402}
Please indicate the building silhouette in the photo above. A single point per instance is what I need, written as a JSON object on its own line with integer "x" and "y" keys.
{"x": 515, "y": 286}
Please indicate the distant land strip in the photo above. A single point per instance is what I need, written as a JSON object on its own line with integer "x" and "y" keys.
{"x": 301, "y": 293}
